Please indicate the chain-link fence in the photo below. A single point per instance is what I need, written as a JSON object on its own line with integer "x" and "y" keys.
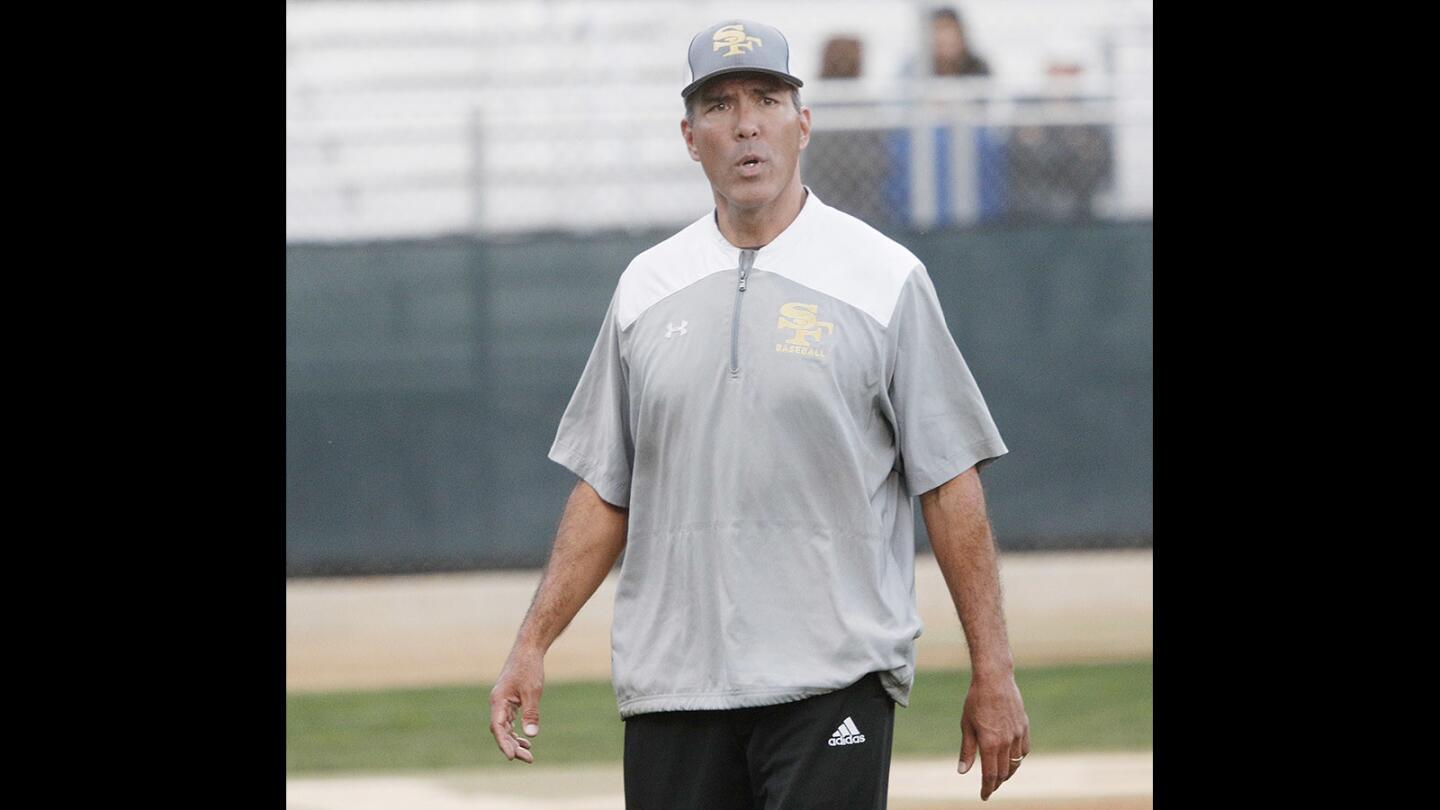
{"x": 962, "y": 158}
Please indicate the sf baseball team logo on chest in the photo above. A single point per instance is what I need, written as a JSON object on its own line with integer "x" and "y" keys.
{"x": 803, "y": 321}
{"x": 734, "y": 37}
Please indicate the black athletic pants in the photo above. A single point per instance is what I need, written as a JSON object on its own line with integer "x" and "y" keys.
{"x": 828, "y": 751}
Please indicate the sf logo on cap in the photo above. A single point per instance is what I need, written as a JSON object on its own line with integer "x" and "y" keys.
{"x": 734, "y": 36}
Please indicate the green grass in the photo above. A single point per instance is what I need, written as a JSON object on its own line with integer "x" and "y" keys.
{"x": 1101, "y": 707}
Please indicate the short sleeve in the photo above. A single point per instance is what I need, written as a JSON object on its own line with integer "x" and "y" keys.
{"x": 594, "y": 440}
{"x": 943, "y": 427}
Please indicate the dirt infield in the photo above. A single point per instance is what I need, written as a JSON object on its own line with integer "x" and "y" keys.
{"x": 456, "y": 629}
{"x": 1055, "y": 782}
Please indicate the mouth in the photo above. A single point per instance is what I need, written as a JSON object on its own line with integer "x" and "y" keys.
{"x": 750, "y": 165}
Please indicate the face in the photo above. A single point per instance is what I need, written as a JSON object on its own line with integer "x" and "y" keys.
{"x": 949, "y": 40}
{"x": 748, "y": 137}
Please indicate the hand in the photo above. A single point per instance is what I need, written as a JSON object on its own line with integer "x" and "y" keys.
{"x": 993, "y": 720}
{"x": 520, "y": 684}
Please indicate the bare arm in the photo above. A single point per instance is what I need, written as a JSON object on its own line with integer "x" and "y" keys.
{"x": 587, "y": 544}
{"x": 589, "y": 540}
{"x": 960, "y": 536}
{"x": 994, "y": 717}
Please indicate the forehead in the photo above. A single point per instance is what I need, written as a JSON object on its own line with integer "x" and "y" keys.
{"x": 741, "y": 83}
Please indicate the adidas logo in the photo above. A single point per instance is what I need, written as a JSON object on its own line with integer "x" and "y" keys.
{"x": 847, "y": 734}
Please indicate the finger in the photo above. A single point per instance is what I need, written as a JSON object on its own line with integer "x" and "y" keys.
{"x": 504, "y": 740}
{"x": 501, "y": 732}
{"x": 522, "y": 750}
{"x": 991, "y": 768}
{"x": 500, "y": 712}
{"x": 967, "y": 750}
{"x": 1020, "y": 749}
{"x": 531, "y": 713}
{"x": 1012, "y": 765}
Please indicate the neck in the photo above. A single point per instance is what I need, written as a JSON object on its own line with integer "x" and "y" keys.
{"x": 758, "y": 226}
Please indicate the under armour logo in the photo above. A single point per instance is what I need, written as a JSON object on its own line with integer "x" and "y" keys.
{"x": 672, "y": 330}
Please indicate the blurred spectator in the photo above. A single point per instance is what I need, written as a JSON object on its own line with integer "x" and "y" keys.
{"x": 842, "y": 58}
{"x": 951, "y": 55}
{"x": 847, "y": 167}
{"x": 950, "y": 48}
{"x": 1057, "y": 170}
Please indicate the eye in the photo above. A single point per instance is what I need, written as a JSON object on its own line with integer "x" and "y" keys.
{"x": 770, "y": 100}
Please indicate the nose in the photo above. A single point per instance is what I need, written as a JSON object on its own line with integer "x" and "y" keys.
{"x": 747, "y": 121}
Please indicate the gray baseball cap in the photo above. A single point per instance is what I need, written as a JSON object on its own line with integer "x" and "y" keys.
{"x": 735, "y": 46}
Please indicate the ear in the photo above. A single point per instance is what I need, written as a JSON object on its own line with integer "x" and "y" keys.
{"x": 689, "y": 135}
{"x": 804, "y": 127}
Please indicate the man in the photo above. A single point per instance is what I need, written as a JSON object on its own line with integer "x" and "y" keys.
{"x": 769, "y": 389}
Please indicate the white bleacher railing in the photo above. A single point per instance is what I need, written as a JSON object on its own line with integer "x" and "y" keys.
{"x": 424, "y": 119}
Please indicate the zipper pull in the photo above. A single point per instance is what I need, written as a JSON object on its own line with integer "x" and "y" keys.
{"x": 747, "y": 260}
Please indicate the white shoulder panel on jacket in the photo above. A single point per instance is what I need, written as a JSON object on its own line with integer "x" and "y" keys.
{"x": 845, "y": 258}
{"x": 669, "y": 267}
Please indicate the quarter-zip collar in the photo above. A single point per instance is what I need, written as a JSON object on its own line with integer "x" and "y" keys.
{"x": 793, "y": 234}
